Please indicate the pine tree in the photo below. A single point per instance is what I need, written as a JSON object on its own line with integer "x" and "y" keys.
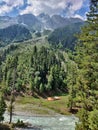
{"x": 71, "y": 83}
{"x": 2, "y": 108}
{"x": 11, "y": 65}
{"x": 87, "y": 60}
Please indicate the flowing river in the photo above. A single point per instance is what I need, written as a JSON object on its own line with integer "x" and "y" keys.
{"x": 46, "y": 122}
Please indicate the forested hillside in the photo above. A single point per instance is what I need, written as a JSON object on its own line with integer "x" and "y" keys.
{"x": 65, "y": 35}
{"x": 14, "y": 33}
{"x": 41, "y": 67}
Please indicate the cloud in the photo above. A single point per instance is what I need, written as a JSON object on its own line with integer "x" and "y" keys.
{"x": 79, "y": 16}
{"x": 14, "y": 3}
{"x": 7, "y": 6}
{"x": 53, "y": 6}
{"x": 4, "y": 9}
{"x": 67, "y": 8}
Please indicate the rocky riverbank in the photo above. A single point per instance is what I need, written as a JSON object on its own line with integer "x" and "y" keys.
{"x": 59, "y": 122}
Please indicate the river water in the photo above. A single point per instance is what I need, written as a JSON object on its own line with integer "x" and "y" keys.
{"x": 46, "y": 122}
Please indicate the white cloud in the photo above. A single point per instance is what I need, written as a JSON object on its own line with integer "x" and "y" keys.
{"x": 78, "y": 16}
{"x": 9, "y": 5}
{"x": 4, "y": 9}
{"x": 43, "y": 6}
{"x": 52, "y": 6}
{"x": 14, "y": 3}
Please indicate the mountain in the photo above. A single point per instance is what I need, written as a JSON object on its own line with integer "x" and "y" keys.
{"x": 6, "y": 21}
{"x": 65, "y": 35}
{"x": 44, "y": 18}
{"x": 37, "y": 67}
{"x": 30, "y": 20}
{"x": 38, "y": 23}
{"x": 14, "y": 33}
{"x": 56, "y": 21}
{"x": 15, "y": 29}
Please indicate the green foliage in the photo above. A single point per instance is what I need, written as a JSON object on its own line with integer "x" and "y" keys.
{"x": 72, "y": 71}
{"x": 38, "y": 34}
{"x": 14, "y": 33}
{"x": 87, "y": 61}
{"x": 93, "y": 120}
{"x": 18, "y": 85}
{"x": 20, "y": 124}
{"x": 65, "y": 36}
{"x": 11, "y": 106}
{"x": 39, "y": 70}
{"x": 41, "y": 88}
{"x": 46, "y": 32}
{"x": 2, "y": 108}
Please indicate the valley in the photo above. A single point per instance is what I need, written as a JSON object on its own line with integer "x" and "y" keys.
{"x": 48, "y": 65}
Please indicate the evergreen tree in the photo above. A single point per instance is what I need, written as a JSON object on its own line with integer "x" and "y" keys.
{"x": 11, "y": 107}
{"x": 93, "y": 120}
{"x": 11, "y": 79}
{"x": 41, "y": 88}
{"x": 71, "y": 83}
{"x": 2, "y": 108}
{"x": 87, "y": 60}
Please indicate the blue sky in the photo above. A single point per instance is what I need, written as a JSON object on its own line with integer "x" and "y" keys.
{"x": 67, "y": 8}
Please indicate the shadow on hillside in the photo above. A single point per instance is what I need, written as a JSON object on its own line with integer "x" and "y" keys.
{"x": 57, "y": 92}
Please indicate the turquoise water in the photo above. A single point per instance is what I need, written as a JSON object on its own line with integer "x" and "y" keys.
{"x": 47, "y": 123}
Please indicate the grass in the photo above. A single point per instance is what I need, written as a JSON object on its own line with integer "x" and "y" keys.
{"x": 59, "y": 106}
{"x": 35, "y": 105}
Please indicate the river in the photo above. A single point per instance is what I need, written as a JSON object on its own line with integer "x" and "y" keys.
{"x": 46, "y": 122}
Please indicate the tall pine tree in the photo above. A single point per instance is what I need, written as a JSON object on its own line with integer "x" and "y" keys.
{"x": 87, "y": 79}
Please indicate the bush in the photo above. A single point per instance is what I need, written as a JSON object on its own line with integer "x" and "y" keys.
{"x": 20, "y": 123}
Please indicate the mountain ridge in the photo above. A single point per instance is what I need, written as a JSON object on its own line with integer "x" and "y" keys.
{"x": 39, "y": 23}
{"x": 10, "y": 28}
{"x": 14, "y": 33}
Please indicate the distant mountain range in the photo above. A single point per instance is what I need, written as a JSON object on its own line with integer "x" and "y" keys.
{"x": 56, "y": 21}
{"x": 20, "y": 28}
{"x": 40, "y": 22}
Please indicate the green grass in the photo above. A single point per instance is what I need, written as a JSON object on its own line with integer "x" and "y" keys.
{"x": 59, "y": 106}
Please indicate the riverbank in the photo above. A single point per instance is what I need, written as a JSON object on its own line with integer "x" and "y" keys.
{"x": 43, "y": 113}
{"x": 41, "y": 106}
{"x": 60, "y": 122}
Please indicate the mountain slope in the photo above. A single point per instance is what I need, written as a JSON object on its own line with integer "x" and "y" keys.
{"x": 56, "y": 21}
{"x": 14, "y": 33}
{"x": 6, "y": 21}
{"x": 30, "y": 20}
{"x": 65, "y": 36}
{"x": 38, "y": 23}
{"x": 36, "y": 64}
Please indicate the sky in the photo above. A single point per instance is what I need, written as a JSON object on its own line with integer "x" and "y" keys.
{"x": 66, "y": 8}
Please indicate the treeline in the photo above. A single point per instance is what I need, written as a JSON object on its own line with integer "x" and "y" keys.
{"x": 48, "y": 70}
{"x": 14, "y": 33}
{"x": 65, "y": 36}
{"x": 42, "y": 70}
{"x": 83, "y": 73}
